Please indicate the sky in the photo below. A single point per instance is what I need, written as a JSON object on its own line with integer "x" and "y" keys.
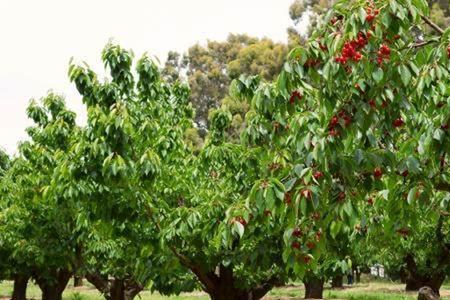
{"x": 38, "y": 38}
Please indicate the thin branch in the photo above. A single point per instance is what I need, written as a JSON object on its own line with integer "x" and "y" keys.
{"x": 422, "y": 44}
{"x": 433, "y": 25}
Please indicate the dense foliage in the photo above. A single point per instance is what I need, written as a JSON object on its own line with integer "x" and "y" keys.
{"x": 346, "y": 149}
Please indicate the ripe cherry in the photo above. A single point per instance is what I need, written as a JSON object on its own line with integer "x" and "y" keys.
{"x": 347, "y": 120}
{"x": 372, "y": 103}
{"x": 241, "y": 220}
{"x": 288, "y": 198}
{"x": 377, "y": 173}
{"x": 297, "y": 232}
{"x": 334, "y": 121}
{"x": 307, "y": 259}
{"x": 341, "y": 196}
{"x": 333, "y": 132}
{"x": 310, "y": 245}
{"x": 398, "y": 122}
{"x": 296, "y": 245}
{"x": 370, "y": 201}
{"x": 405, "y": 173}
{"x": 370, "y": 18}
{"x": 317, "y": 175}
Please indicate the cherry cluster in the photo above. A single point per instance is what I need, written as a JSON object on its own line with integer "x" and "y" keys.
{"x": 371, "y": 14}
{"x": 383, "y": 53}
{"x": 398, "y": 122}
{"x": 334, "y": 122}
{"x": 351, "y": 50}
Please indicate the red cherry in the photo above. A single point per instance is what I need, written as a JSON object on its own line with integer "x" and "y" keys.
{"x": 241, "y": 220}
{"x": 370, "y": 18}
{"x": 296, "y": 245}
{"x": 318, "y": 175}
{"x": 307, "y": 259}
{"x": 333, "y": 132}
{"x": 398, "y": 122}
{"x": 310, "y": 245}
{"x": 372, "y": 103}
{"x": 287, "y": 198}
{"x": 347, "y": 120}
{"x": 370, "y": 201}
{"x": 445, "y": 126}
{"x": 377, "y": 173}
{"x": 341, "y": 196}
{"x": 297, "y": 232}
{"x": 405, "y": 173}
{"x": 334, "y": 121}
{"x": 318, "y": 236}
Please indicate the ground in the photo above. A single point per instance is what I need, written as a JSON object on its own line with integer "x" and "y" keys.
{"x": 364, "y": 291}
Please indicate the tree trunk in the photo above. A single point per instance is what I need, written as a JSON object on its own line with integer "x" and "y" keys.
{"x": 416, "y": 280}
{"x": 20, "y": 287}
{"x": 53, "y": 289}
{"x": 225, "y": 288}
{"x": 115, "y": 289}
{"x": 77, "y": 281}
{"x": 314, "y": 288}
{"x": 337, "y": 282}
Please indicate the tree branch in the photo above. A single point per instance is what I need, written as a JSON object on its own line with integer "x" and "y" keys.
{"x": 443, "y": 186}
{"x": 433, "y": 25}
{"x": 261, "y": 290}
{"x": 422, "y": 44}
{"x": 207, "y": 280}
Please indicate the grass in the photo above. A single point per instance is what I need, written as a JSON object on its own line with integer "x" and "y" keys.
{"x": 365, "y": 291}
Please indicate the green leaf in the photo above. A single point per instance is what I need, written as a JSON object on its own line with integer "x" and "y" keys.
{"x": 412, "y": 195}
{"x": 378, "y": 75}
{"x": 405, "y": 74}
{"x": 239, "y": 228}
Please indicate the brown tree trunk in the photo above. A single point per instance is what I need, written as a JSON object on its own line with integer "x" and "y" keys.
{"x": 115, "y": 289}
{"x": 313, "y": 288}
{"x": 337, "y": 282}
{"x": 20, "y": 287}
{"x": 77, "y": 280}
{"x": 416, "y": 280}
{"x": 53, "y": 289}
{"x": 225, "y": 287}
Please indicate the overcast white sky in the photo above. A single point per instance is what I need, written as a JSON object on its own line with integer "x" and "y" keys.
{"x": 37, "y": 39}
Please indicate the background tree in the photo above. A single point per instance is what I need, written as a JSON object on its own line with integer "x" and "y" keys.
{"x": 209, "y": 69}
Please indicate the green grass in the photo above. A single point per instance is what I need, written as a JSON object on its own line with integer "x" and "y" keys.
{"x": 366, "y": 291}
